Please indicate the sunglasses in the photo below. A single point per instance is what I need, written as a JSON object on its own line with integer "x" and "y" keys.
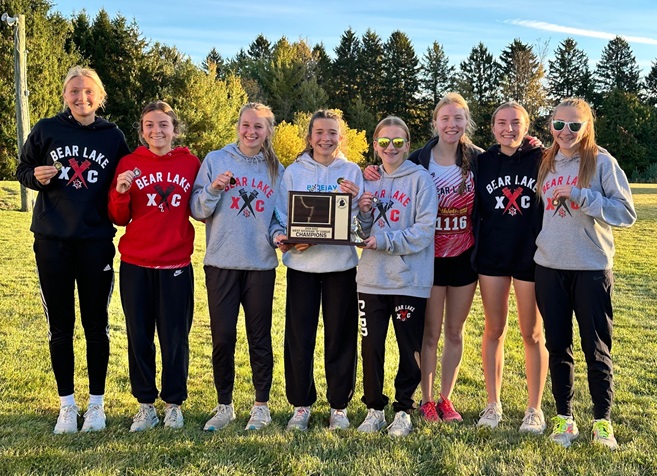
{"x": 573, "y": 126}
{"x": 397, "y": 142}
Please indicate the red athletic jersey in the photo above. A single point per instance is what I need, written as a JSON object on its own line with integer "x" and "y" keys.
{"x": 454, "y": 220}
{"x": 155, "y": 210}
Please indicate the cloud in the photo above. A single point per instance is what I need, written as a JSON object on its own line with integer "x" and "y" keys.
{"x": 539, "y": 25}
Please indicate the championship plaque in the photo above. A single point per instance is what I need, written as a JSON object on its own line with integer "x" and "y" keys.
{"x": 318, "y": 217}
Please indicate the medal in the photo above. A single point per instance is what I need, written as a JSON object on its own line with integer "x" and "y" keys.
{"x": 57, "y": 164}
{"x": 233, "y": 181}
{"x": 340, "y": 180}
{"x": 137, "y": 172}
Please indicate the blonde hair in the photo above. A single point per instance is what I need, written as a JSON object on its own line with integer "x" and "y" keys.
{"x": 462, "y": 155}
{"x": 587, "y": 147}
{"x": 321, "y": 114}
{"x": 166, "y": 109}
{"x": 79, "y": 71}
{"x": 393, "y": 121}
{"x": 511, "y": 105}
{"x": 267, "y": 147}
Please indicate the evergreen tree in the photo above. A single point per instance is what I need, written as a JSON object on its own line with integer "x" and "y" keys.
{"x": 323, "y": 65}
{"x": 479, "y": 83}
{"x": 260, "y": 49}
{"x": 651, "y": 85}
{"x": 522, "y": 75}
{"x": 215, "y": 58}
{"x": 402, "y": 85}
{"x": 624, "y": 128}
{"x": 617, "y": 68}
{"x": 365, "y": 110}
{"x": 346, "y": 72}
{"x": 569, "y": 74}
{"x": 437, "y": 76}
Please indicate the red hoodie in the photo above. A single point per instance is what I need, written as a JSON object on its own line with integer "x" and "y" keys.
{"x": 155, "y": 210}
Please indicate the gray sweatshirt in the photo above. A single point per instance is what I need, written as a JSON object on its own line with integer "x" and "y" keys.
{"x": 306, "y": 174}
{"x": 239, "y": 220}
{"x": 576, "y": 233}
{"x": 403, "y": 222}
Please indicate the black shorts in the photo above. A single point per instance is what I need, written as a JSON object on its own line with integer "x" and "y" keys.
{"x": 520, "y": 275}
{"x": 454, "y": 271}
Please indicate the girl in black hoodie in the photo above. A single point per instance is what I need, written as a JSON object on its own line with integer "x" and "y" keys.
{"x": 505, "y": 229}
{"x": 70, "y": 160}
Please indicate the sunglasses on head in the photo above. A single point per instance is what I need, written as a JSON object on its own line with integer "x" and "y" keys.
{"x": 397, "y": 142}
{"x": 573, "y": 126}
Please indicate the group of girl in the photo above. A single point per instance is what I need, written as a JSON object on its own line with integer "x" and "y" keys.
{"x": 539, "y": 220}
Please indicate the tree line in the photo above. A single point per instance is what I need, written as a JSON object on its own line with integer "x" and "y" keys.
{"x": 367, "y": 78}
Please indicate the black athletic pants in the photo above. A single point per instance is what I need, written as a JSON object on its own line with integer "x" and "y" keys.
{"x": 227, "y": 289}
{"x": 161, "y": 299}
{"x": 61, "y": 264}
{"x": 559, "y": 293}
{"x": 337, "y": 293}
{"x": 408, "y": 321}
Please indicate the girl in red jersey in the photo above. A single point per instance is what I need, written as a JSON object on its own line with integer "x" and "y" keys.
{"x": 150, "y": 196}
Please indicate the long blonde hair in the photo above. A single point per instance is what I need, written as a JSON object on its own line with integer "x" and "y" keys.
{"x": 587, "y": 148}
{"x": 267, "y": 147}
{"x": 463, "y": 159}
{"x": 78, "y": 71}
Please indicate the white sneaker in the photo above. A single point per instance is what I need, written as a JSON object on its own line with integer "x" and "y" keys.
{"x": 94, "y": 418}
{"x": 338, "y": 419}
{"x": 173, "y": 417}
{"x": 223, "y": 416}
{"x": 299, "y": 420}
{"x": 145, "y": 419}
{"x": 533, "y": 422}
{"x": 401, "y": 425}
{"x": 67, "y": 421}
{"x": 260, "y": 417}
{"x": 491, "y": 415}
{"x": 373, "y": 422}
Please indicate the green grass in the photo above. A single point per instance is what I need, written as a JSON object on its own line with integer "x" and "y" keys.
{"x": 29, "y": 404}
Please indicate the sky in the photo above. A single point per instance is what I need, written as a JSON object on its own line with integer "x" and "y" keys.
{"x": 196, "y": 26}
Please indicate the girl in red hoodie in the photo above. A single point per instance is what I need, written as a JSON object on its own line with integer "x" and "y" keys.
{"x": 150, "y": 196}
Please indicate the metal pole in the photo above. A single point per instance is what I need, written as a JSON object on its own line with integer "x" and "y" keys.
{"x": 22, "y": 108}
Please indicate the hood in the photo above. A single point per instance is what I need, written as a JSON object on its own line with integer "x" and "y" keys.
{"x": 99, "y": 123}
{"x": 406, "y": 168}
{"x": 308, "y": 162}
{"x": 145, "y": 153}
{"x": 563, "y": 159}
{"x": 234, "y": 151}
{"x": 524, "y": 149}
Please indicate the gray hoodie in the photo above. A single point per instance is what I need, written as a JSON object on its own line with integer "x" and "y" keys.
{"x": 576, "y": 233}
{"x": 403, "y": 223}
{"x": 306, "y": 174}
{"x": 239, "y": 220}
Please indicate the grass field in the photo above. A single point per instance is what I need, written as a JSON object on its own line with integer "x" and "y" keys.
{"x": 29, "y": 403}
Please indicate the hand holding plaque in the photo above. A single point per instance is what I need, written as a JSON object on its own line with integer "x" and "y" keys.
{"x": 318, "y": 217}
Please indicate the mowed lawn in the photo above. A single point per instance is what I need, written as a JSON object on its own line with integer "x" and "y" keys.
{"x": 29, "y": 403}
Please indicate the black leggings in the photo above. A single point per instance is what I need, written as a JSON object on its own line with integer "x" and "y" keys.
{"x": 61, "y": 265}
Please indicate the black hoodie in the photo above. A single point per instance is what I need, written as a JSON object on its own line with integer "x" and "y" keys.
{"x": 74, "y": 204}
{"x": 508, "y": 217}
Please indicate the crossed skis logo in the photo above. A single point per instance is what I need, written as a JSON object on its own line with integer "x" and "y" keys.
{"x": 247, "y": 198}
{"x": 164, "y": 196}
{"x": 512, "y": 205}
{"x": 77, "y": 179}
{"x": 383, "y": 208}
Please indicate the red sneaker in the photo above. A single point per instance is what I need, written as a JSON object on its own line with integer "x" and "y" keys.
{"x": 428, "y": 412}
{"x": 446, "y": 410}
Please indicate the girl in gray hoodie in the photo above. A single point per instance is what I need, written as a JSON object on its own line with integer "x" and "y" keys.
{"x": 320, "y": 274}
{"x": 395, "y": 273}
{"x": 584, "y": 194}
